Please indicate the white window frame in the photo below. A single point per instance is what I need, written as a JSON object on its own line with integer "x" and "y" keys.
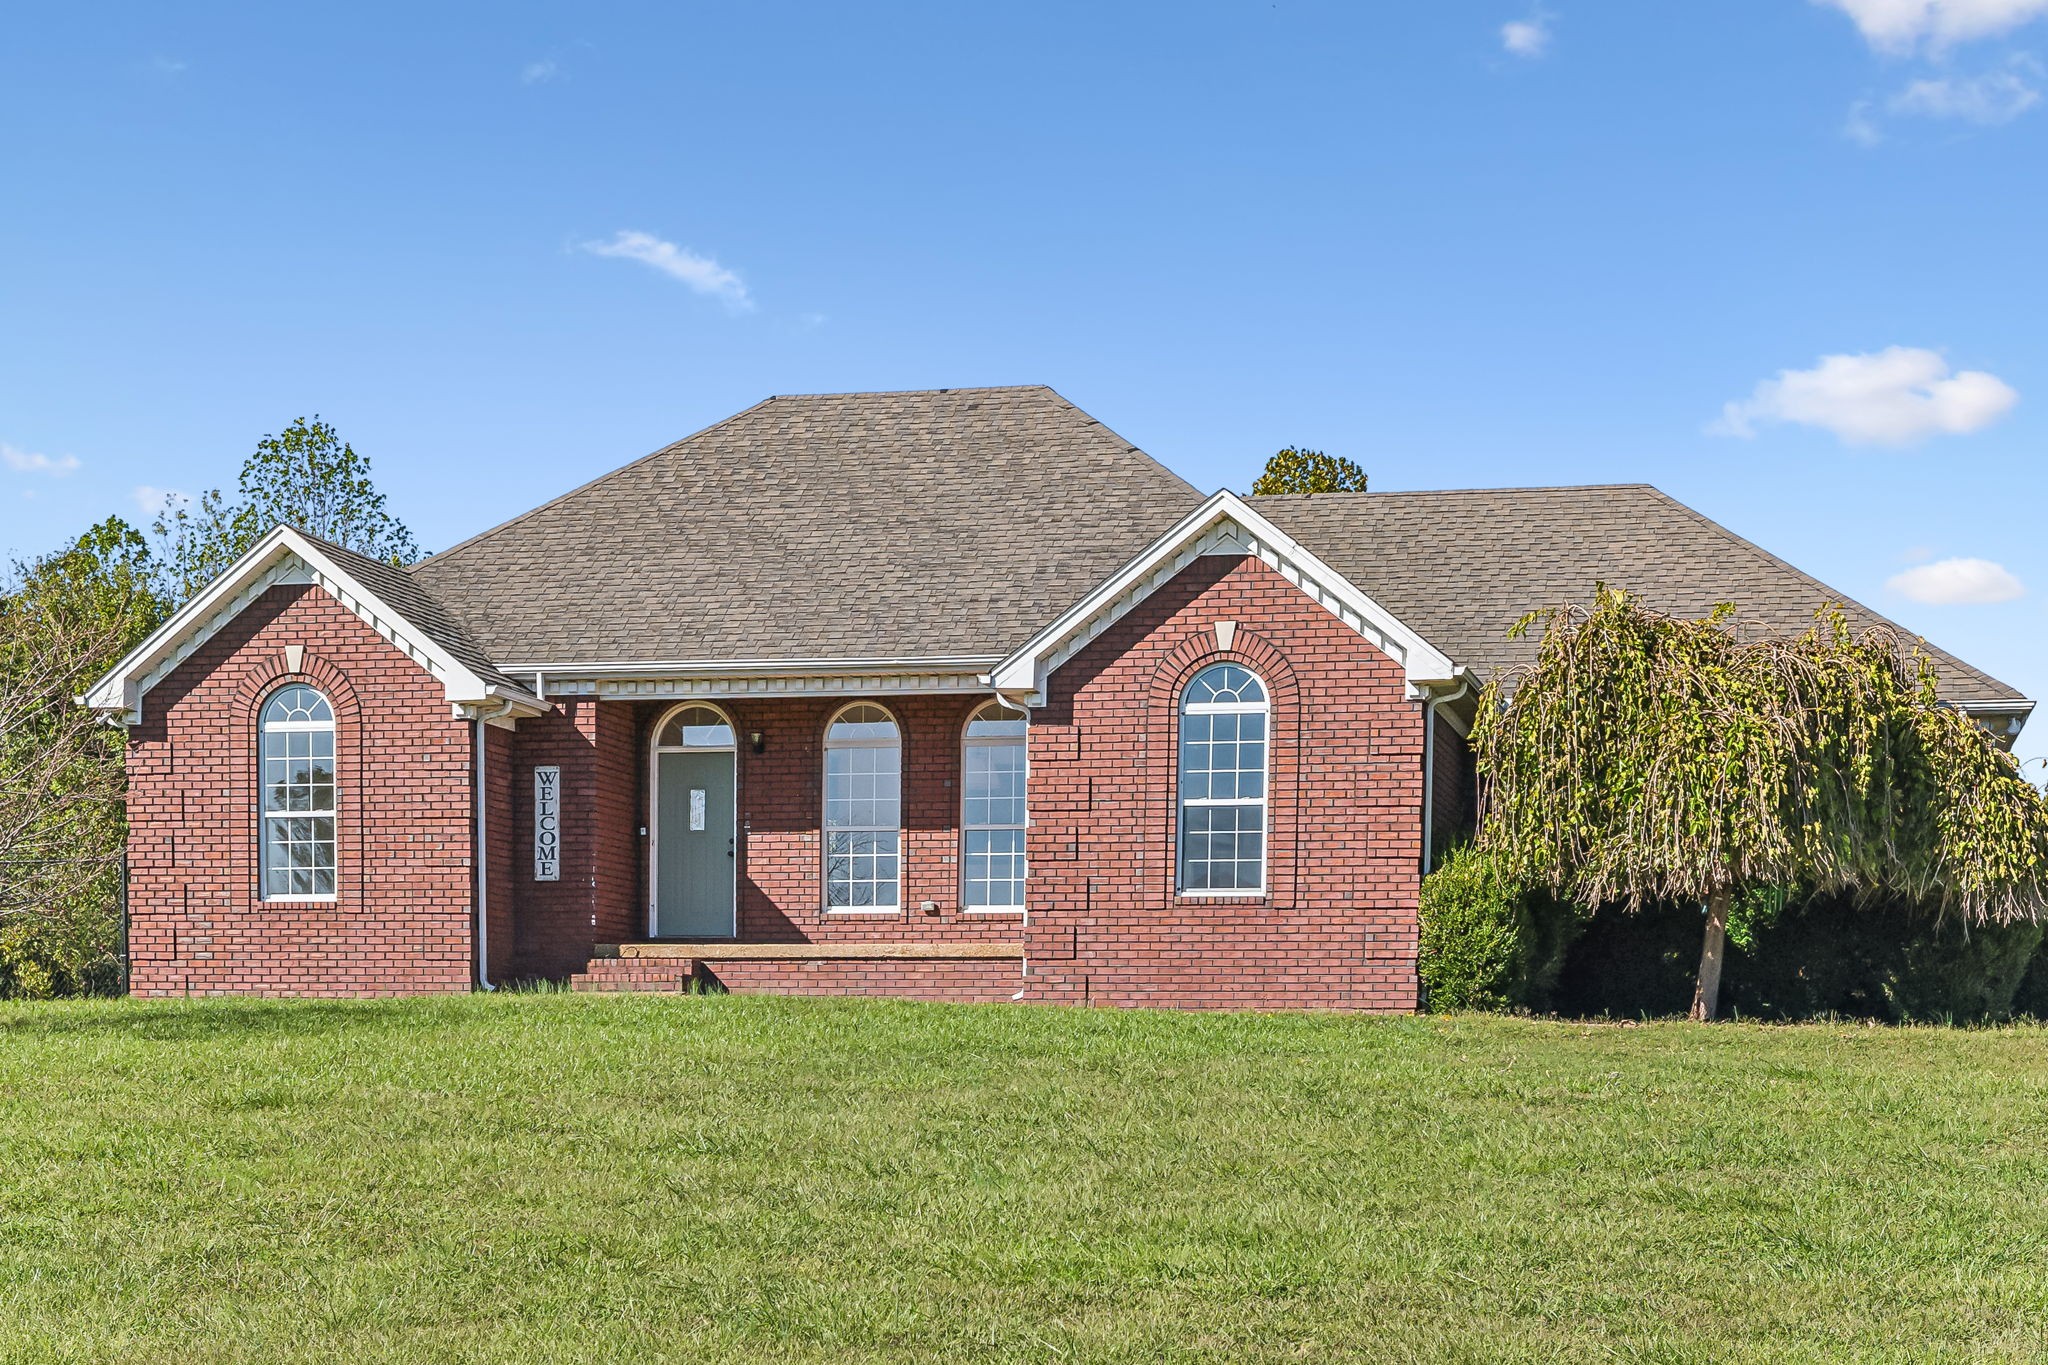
{"x": 826, "y": 830}
{"x": 969, "y": 742}
{"x": 264, "y": 815}
{"x": 1264, "y": 800}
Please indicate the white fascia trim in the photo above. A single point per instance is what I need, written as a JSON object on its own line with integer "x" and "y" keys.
{"x": 707, "y": 679}
{"x": 1225, "y": 524}
{"x": 2019, "y": 707}
{"x": 755, "y": 668}
{"x": 283, "y": 556}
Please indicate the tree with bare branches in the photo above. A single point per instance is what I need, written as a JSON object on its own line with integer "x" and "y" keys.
{"x": 65, "y": 620}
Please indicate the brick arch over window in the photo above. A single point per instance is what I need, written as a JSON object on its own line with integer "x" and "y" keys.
{"x": 271, "y": 673}
{"x": 1197, "y": 651}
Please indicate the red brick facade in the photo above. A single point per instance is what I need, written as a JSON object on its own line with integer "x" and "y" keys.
{"x": 401, "y": 920}
{"x": 1335, "y": 928}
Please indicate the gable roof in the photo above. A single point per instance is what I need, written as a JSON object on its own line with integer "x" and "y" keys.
{"x": 942, "y": 524}
{"x": 1462, "y": 566}
{"x": 383, "y": 596}
{"x": 1223, "y": 525}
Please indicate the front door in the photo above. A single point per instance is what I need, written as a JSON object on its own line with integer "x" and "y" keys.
{"x": 694, "y": 855}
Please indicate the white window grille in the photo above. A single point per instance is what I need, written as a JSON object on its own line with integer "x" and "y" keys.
{"x": 1223, "y": 715}
{"x": 296, "y": 754}
{"x": 992, "y": 812}
{"x": 863, "y": 810}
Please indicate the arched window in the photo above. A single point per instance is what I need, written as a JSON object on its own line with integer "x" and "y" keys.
{"x": 296, "y": 743}
{"x": 1223, "y": 782}
{"x": 695, "y": 727}
{"x": 992, "y": 809}
{"x": 863, "y": 810}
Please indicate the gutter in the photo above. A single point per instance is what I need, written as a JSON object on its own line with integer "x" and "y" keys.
{"x": 765, "y": 668}
{"x": 1436, "y": 699}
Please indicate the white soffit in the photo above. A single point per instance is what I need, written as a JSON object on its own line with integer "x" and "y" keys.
{"x": 1224, "y": 525}
{"x": 283, "y": 556}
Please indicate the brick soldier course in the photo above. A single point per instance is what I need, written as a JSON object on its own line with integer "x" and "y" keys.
{"x": 925, "y": 553}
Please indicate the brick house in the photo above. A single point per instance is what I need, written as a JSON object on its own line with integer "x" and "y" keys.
{"x": 952, "y": 694}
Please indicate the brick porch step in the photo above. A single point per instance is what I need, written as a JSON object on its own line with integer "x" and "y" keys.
{"x": 927, "y": 971}
{"x": 670, "y": 974}
{"x": 792, "y": 952}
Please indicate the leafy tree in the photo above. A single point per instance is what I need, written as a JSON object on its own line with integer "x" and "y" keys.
{"x": 1648, "y": 758}
{"x": 1309, "y": 471}
{"x": 65, "y": 620}
{"x": 307, "y": 477}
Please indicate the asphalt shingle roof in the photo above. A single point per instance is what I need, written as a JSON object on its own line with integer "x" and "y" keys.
{"x": 955, "y": 523}
{"x": 395, "y": 588}
{"x": 1461, "y": 567}
{"x": 943, "y": 523}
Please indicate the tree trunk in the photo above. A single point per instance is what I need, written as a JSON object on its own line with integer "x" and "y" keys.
{"x": 1706, "y": 989}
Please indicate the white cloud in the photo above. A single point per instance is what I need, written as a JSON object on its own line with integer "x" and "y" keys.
{"x": 538, "y": 73}
{"x": 1527, "y": 37}
{"x": 30, "y": 462}
{"x": 1893, "y": 397}
{"x": 154, "y": 501}
{"x": 1901, "y": 26}
{"x": 701, "y": 273}
{"x": 1950, "y": 582}
{"x": 1994, "y": 97}
{"x": 1860, "y": 127}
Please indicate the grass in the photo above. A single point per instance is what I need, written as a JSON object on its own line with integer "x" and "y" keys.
{"x": 566, "y": 1178}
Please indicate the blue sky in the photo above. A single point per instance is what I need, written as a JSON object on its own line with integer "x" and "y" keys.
{"x": 1465, "y": 243}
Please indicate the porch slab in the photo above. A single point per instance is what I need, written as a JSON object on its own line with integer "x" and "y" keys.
{"x": 796, "y": 952}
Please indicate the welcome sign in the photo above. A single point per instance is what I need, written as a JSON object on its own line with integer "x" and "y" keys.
{"x": 547, "y": 824}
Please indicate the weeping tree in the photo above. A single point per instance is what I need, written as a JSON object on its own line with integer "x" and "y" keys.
{"x": 1643, "y": 757}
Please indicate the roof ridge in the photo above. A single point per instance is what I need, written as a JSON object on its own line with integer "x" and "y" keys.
{"x": 918, "y": 393}
{"x": 1132, "y": 446}
{"x": 1829, "y": 593}
{"x": 1440, "y": 492}
{"x": 605, "y": 477}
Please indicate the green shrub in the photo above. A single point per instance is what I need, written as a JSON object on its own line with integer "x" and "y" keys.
{"x": 1632, "y": 963}
{"x": 2031, "y": 998}
{"x": 1944, "y": 971}
{"x": 73, "y": 952}
{"x": 1816, "y": 956}
{"x": 1486, "y": 945}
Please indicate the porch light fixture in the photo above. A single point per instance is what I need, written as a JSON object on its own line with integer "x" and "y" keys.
{"x": 759, "y": 744}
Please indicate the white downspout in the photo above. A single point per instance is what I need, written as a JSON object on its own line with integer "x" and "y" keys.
{"x": 1429, "y": 763}
{"x": 483, "y": 866}
{"x": 482, "y": 853}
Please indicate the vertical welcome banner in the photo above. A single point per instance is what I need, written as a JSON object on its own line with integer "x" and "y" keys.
{"x": 547, "y": 824}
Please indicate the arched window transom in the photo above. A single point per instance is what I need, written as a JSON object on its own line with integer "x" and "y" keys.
{"x": 296, "y": 752}
{"x": 695, "y": 727}
{"x": 992, "y": 811}
{"x": 863, "y": 810}
{"x": 1223, "y": 733}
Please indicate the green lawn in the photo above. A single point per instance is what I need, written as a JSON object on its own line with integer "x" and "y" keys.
{"x": 570, "y": 1178}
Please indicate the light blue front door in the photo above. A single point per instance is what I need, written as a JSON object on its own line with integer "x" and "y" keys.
{"x": 694, "y": 854}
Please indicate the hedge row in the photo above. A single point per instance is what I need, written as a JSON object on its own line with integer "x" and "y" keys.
{"x": 1485, "y": 947}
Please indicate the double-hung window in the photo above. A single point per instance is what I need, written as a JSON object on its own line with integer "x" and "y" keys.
{"x": 296, "y": 754}
{"x": 863, "y": 810}
{"x": 1223, "y": 715}
{"x": 992, "y": 810}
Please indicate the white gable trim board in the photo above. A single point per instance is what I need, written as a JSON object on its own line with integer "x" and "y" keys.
{"x": 1224, "y": 525}
{"x": 283, "y": 556}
